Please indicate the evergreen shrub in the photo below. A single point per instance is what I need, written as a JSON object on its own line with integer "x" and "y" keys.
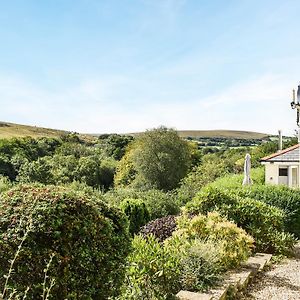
{"x": 282, "y": 197}
{"x": 264, "y": 222}
{"x": 88, "y": 240}
{"x": 152, "y": 271}
{"x": 136, "y": 212}
{"x": 160, "y": 204}
{"x": 234, "y": 243}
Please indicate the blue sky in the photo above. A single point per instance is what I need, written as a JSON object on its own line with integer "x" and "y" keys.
{"x": 129, "y": 65}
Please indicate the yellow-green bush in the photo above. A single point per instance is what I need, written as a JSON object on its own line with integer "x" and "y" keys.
{"x": 235, "y": 244}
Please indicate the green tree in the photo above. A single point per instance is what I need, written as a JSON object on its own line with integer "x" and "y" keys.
{"x": 160, "y": 159}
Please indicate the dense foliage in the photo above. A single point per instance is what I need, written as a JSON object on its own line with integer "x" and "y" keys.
{"x": 136, "y": 212}
{"x": 158, "y": 203}
{"x": 279, "y": 196}
{"x": 114, "y": 145}
{"x": 88, "y": 241}
{"x": 152, "y": 272}
{"x": 192, "y": 258}
{"x": 161, "y": 228}
{"x": 56, "y": 161}
{"x": 157, "y": 158}
{"x": 14, "y": 152}
{"x": 264, "y": 222}
{"x": 68, "y": 235}
{"x": 235, "y": 244}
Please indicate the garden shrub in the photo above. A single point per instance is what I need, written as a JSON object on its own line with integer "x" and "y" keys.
{"x": 200, "y": 268}
{"x": 234, "y": 181}
{"x": 152, "y": 271}
{"x": 88, "y": 239}
{"x": 236, "y": 245}
{"x": 282, "y": 197}
{"x": 264, "y": 222}
{"x": 200, "y": 176}
{"x": 137, "y": 213}
{"x": 193, "y": 258}
{"x": 161, "y": 228}
{"x": 159, "y": 203}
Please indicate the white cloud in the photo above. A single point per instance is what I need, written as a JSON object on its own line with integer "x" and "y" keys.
{"x": 260, "y": 104}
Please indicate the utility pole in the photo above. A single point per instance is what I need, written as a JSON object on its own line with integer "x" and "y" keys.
{"x": 295, "y": 104}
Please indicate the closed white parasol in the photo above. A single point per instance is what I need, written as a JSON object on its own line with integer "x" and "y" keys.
{"x": 247, "y": 166}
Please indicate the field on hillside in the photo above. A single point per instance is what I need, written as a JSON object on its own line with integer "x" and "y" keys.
{"x": 211, "y": 138}
{"x": 11, "y": 130}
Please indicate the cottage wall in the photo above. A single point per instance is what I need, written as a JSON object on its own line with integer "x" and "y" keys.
{"x": 271, "y": 174}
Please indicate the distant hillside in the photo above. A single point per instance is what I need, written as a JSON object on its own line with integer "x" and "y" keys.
{"x": 230, "y": 134}
{"x": 11, "y": 130}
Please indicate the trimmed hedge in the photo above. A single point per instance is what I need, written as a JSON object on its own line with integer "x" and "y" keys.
{"x": 264, "y": 222}
{"x": 88, "y": 239}
{"x": 279, "y": 196}
{"x": 282, "y": 197}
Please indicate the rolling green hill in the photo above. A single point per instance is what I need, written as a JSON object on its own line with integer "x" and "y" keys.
{"x": 10, "y": 130}
{"x": 230, "y": 134}
{"x": 227, "y": 134}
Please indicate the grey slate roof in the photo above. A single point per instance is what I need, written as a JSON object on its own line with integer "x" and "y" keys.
{"x": 291, "y": 156}
{"x": 288, "y": 155}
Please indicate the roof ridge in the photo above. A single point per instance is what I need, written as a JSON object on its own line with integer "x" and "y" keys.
{"x": 280, "y": 152}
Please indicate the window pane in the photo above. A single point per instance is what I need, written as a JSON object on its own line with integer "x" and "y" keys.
{"x": 283, "y": 172}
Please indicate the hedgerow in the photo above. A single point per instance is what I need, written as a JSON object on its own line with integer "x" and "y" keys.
{"x": 264, "y": 222}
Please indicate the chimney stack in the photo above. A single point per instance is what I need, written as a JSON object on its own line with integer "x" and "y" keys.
{"x": 279, "y": 140}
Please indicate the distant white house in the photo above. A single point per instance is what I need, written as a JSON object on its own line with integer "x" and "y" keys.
{"x": 282, "y": 167}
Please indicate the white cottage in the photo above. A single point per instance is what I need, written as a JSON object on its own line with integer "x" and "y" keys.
{"x": 282, "y": 167}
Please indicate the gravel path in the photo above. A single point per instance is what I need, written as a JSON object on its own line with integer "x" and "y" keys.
{"x": 280, "y": 282}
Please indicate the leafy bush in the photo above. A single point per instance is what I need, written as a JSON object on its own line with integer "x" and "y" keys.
{"x": 234, "y": 181}
{"x": 192, "y": 258}
{"x": 107, "y": 171}
{"x": 262, "y": 221}
{"x": 280, "y": 196}
{"x": 200, "y": 176}
{"x": 5, "y": 184}
{"x": 61, "y": 169}
{"x": 36, "y": 171}
{"x": 137, "y": 213}
{"x": 236, "y": 245}
{"x": 152, "y": 271}
{"x": 161, "y": 228}
{"x": 88, "y": 239}
{"x": 159, "y": 203}
{"x": 16, "y": 151}
{"x": 200, "y": 268}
